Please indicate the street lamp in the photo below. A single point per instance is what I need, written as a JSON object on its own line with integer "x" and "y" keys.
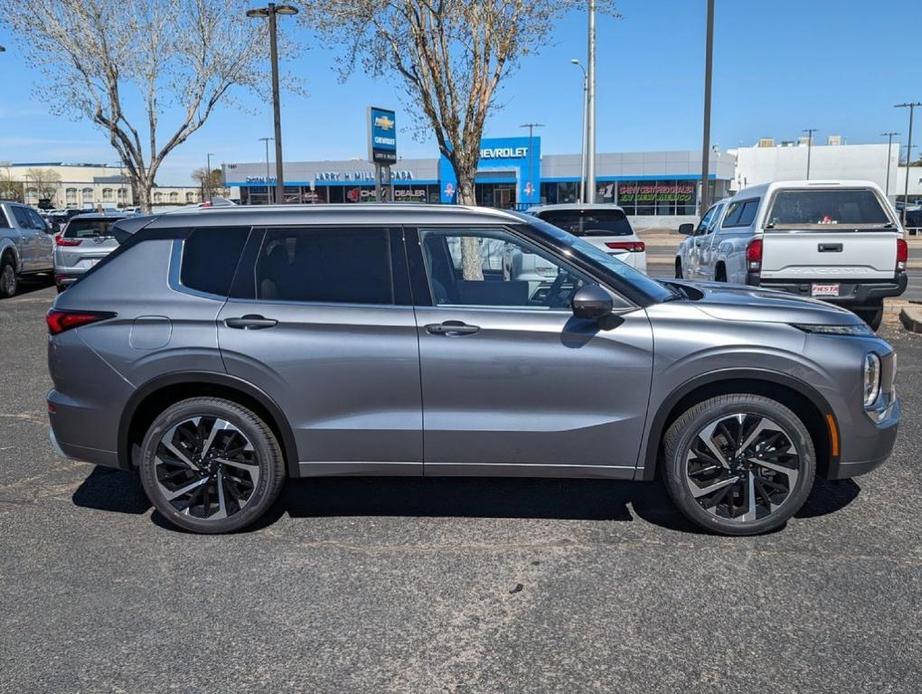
{"x": 272, "y": 11}
{"x": 912, "y": 108}
{"x": 531, "y": 161}
{"x": 809, "y": 132}
{"x": 706, "y": 138}
{"x": 590, "y": 107}
{"x": 889, "y": 137}
{"x": 582, "y": 150}
{"x": 268, "y": 190}
{"x": 206, "y": 184}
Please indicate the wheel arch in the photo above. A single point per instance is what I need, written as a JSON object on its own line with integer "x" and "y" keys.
{"x": 159, "y": 393}
{"x": 797, "y": 395}
{"x": 9, "y": 249}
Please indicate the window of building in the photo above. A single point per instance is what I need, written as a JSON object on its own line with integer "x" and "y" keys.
{"x": 87, "y": 195}
{"x": 190, "y": 196}
{"x": 350, "y": 266}
{"x": 71, "y": 196}
{"x": 158, "y": 197}
{"x": 209, "y": 258}
{"x": 107, "y": 195}
{"x": 174, "y": 196}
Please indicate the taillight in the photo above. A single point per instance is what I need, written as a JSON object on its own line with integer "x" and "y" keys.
{"x": 902, "y": 255}
{"x": 630, "y": 246}
{"x": 59, "y": 321}
{"x": 754, "y": 255}
{"x": 61, "y": 241}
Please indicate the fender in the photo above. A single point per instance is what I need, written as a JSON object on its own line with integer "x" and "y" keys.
{"x": 215, "y": 378}
{"x": 655, "y": 435}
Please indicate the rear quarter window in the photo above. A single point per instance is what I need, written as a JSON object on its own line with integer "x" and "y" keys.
{"x": 741, "y": 213}
{"x": 209, "y": 258}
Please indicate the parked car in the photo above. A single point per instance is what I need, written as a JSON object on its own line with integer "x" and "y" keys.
{"x": 219, "y": 351}
{"x": 26, "y": 247}
{"x": 602, "y": 225}
{"x": 839, "y": 241}
{"x": 85, "y": 241}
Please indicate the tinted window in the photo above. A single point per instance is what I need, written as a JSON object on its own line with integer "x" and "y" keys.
{"x": 3, "y": 223}
{"x": 209, "y": 258}
{"x": 36, "y": 220}
{"x": 741, "y": 213}
{"x": 349, "y": 266}
{"x": 855, "y": 206}
{"x": 506, "y": 272}
{"x": 88, "y": 228}
{"x": 20, "y": 214}
{"x": 589, "y": 222}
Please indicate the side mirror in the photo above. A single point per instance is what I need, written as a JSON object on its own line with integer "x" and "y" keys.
{"x": 592, "y": 302}
{"x": 687, "y": 229}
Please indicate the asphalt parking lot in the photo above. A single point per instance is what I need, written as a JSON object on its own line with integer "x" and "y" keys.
{"x": 417, "y": 585}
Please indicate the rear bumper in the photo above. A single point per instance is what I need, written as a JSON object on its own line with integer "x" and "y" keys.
{"x": 861, "y": 293}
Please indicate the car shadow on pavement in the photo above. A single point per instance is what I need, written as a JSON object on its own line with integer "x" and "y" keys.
{"x": 28, "y": 285}
{"x": 454, "y": 497}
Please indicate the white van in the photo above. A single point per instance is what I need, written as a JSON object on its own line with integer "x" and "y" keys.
{"x": 839, "y": 241}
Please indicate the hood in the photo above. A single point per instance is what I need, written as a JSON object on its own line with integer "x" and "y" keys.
{"x": 742, "y": 303}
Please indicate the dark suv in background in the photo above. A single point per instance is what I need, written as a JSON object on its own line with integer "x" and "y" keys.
{"x": 219, "y": 351}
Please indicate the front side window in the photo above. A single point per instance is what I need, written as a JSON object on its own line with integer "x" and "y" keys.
{"x": 706, "y": 223}
{"x": 855, "y": 207}
{"x": 507, "y": 272}
{"x": 325, "y": 265}
{"x": 741, "y": 213}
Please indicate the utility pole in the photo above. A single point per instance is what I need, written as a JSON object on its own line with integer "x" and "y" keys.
{"x": 706, "y": 139}
{"x": 272, "y": 11}
{"x": 268, "y": 189}
{"x": 912, "y": 107}
{"x": 531, "y": 162}
{"x": 889, "y": 137}
{"x": 590, "y": 109}
{"x": 809, "y": 132}
{"x": 582, "y": 146}
{"x": 207, "y": 182}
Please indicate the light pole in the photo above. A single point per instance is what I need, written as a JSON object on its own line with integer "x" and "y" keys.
{"x": 268, "y": 189}
{"x": 590, "y": 108}
{"x": 706, "y": 137}
{"x": 809, "y": 132}
{"x": 272, "y": 11}
{"x": 531, "y": 161}
{"x": 912, "y": 107}
{"x": 889, "y": 137}
{"x": 206, "y": 188}
{"x": 582, "y": 147}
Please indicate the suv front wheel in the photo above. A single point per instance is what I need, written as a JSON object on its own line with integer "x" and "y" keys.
{"x": 210, "y": 465}
{"x": 739, "y": 464}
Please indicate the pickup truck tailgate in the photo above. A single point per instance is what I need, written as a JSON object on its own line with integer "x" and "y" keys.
{"x": 844, "y": 255}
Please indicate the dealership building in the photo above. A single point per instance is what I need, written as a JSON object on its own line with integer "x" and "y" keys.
{"x": 512, "y": 174}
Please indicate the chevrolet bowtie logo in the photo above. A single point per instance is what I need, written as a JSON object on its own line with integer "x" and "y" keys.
{"x": 384, "y": 123}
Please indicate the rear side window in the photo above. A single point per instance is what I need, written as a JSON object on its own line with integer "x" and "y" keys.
{"x": 22, "y": 217}
{"x": 209, "y": 258}
{"x": 741, "y": 213}
{"x": 590, "y": 222}
{"x": 88, "y": 228}
{"x": 3, "y": 223}
{"x": 322, "y": 265}
{"x": 855, "y": 206}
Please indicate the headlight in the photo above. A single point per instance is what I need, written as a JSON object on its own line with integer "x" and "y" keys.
{"x": 871, "y": 378}
{"x": 857, "y": 330}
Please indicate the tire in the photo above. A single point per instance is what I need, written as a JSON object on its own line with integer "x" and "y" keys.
{"x": 873, "y": 316}
{"x": 678, "y": 269}
{"x": 736, "y": 477}
{"x": 9, "y": 282}
{"x": 183, "y": 449}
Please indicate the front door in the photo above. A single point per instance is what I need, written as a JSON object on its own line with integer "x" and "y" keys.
{"x": 512, "y": 383}
{"x": 321, "y": 320}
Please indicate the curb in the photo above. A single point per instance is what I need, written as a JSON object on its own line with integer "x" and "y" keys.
{"x": 911, "y": 318}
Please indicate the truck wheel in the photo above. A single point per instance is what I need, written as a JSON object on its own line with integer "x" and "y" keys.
{"x": 873, "y": 315}
{"x": 720, "y": 274}
{"x": 8, "y": 279}
{"x": 678, "y": 269}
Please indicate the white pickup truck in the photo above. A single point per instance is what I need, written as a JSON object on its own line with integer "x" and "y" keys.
{"x": 839, "y": 241}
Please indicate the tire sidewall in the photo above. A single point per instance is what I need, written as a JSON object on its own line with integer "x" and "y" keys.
{"x": 757, "y": 405}
{"x": 8, "y": 276}
{"x": 264, "y": 444}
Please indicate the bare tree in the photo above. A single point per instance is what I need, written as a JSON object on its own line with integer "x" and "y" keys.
{"x": 10, "y": 189}
{"x": 210, "y": 182}
{"x": 129, "y": 64}
{"x": 43, "y": 181}
{"x": 450, "y": 55}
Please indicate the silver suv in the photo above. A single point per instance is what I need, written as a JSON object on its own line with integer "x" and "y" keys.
{"x": 219, "y": 351}
{"x": 85, "y": 240}
{"x": 25, "y": 246}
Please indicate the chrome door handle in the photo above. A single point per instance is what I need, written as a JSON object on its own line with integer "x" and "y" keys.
{"x": 452, "y": 328}
{"x": 251, "y": 321}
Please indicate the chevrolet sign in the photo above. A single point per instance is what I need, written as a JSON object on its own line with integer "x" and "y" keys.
{"x": 504, "y": 153}
{"x": 382, "y": 138}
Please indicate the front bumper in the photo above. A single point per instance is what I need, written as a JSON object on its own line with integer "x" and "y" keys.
{"x": 861, "y": 293}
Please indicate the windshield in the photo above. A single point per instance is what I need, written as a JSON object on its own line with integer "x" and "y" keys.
{"x": 607, "y": 264}
{"x": 88, "y": 228}
{"x": 853, "y": 207}
{"x": 589, "y": 222}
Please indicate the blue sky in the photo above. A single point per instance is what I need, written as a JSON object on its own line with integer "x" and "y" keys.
{"x": 836, "y": 65}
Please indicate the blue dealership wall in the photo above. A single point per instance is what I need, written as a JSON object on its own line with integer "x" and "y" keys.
{"x": 502, "y": 160}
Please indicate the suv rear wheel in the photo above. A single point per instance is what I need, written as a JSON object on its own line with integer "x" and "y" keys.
{"x": 8, "y": 279}
{"x": 739, "y": 464}
{"x": 210, "y": 465}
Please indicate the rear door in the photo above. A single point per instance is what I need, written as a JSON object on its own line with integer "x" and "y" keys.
{"x": 828, "y": 233}
{"x": 44, "y": 242}
{"x": 28, "y": 238}
{"x": 320, "y": 319}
